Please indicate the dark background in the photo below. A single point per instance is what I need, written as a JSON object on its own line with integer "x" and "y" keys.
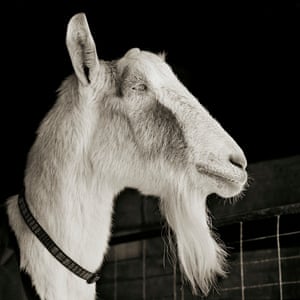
{"x": 240, "y": 59}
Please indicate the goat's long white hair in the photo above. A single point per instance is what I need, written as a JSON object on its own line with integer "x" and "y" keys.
{"x": 201, "y": 255}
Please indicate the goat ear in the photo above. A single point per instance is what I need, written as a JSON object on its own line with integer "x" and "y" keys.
{"x": 82, "y": 49}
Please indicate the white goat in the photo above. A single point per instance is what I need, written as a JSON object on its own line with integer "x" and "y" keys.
{"x": 125, "y": 123}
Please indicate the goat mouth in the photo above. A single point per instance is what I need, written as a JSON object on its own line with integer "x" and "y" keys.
{"x": 232, "y": 175}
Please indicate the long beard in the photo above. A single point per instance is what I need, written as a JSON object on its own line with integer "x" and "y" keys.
{"x": 201, "y": 257}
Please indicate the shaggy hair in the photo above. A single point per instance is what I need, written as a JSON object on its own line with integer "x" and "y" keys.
{"x": 201, "y": 257}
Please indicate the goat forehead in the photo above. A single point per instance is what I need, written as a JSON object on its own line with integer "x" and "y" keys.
{"x": 152, "y": 66}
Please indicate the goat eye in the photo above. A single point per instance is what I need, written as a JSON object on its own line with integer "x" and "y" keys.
{"x": 140, "y": 87}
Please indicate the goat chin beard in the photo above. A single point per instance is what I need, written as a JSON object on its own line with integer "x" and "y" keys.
{"x": 201, "y": 257}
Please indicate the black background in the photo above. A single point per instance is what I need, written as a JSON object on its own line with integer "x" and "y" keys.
{"x": 240, "y": 59}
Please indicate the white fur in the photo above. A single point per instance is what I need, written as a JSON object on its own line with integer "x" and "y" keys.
{"x": 128, "y": 124}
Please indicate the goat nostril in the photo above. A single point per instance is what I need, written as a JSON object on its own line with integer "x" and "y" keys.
{"x": 238, "y": 161}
